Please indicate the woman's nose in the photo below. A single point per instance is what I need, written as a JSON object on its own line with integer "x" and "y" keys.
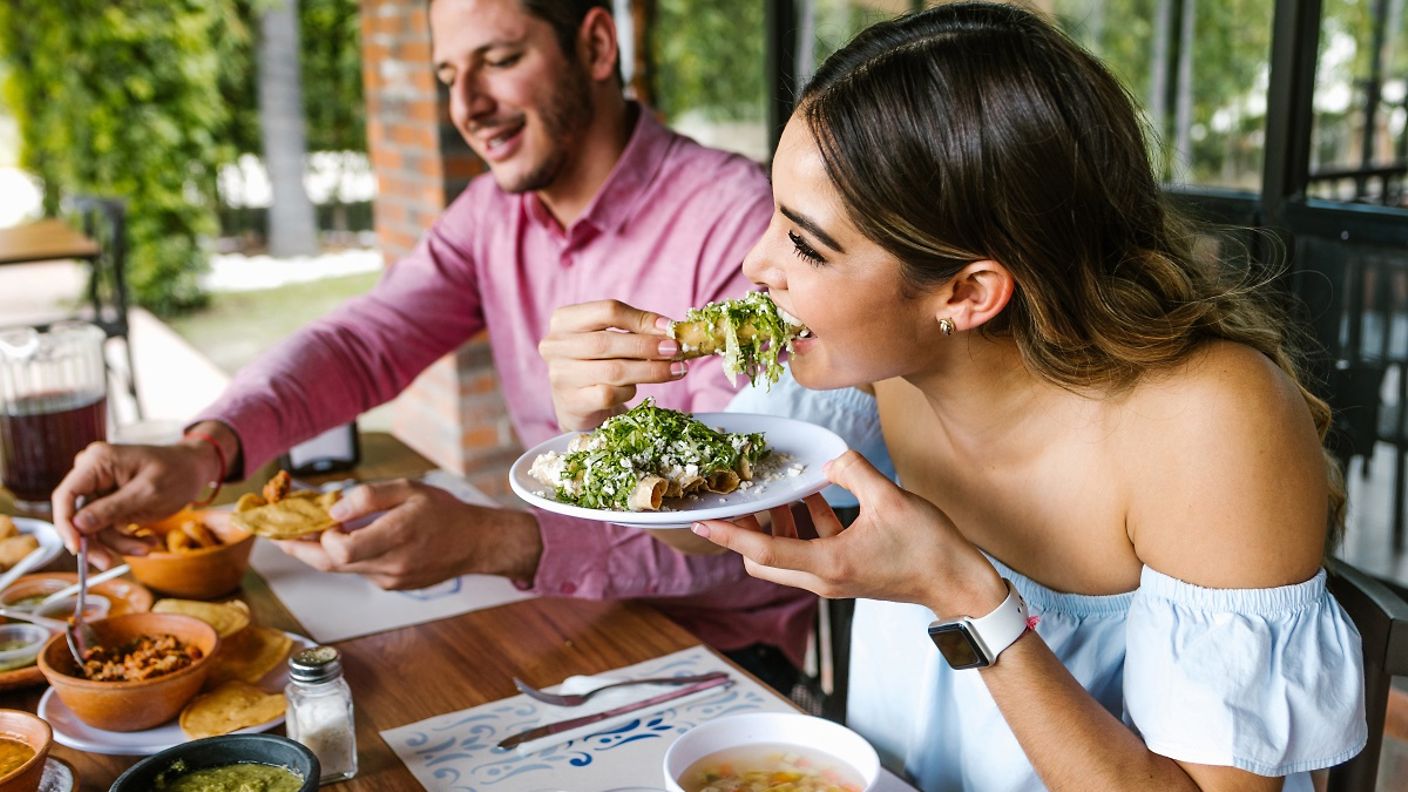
{"x": 759, "y": 268}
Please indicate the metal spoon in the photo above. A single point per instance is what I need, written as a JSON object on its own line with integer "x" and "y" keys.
{"x": 80, "y": 636}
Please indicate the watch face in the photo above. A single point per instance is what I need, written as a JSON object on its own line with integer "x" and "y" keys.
{"x": 957, "y": 646}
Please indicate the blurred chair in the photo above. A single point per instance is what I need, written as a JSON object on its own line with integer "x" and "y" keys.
{"x": 104, "y": 220}
{"x": 831, "y": 635}
{"x": 1354, "y": 392}
{"x": 1382, "y": 619}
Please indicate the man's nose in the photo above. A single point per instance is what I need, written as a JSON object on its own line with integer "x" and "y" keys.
{"x": 468, "y": 101}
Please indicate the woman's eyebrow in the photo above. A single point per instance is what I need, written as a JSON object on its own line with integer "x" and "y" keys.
{"x": 811, "y": 227}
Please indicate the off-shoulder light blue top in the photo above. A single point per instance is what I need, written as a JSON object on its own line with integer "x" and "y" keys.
{"x": 1268, "y": 680}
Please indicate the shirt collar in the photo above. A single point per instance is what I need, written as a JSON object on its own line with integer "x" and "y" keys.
{"x": 619, "y": 195}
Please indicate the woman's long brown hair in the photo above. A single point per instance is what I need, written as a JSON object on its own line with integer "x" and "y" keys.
{"x": 979, "y": 131}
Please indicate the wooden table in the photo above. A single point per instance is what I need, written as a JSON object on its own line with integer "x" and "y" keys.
{"x": 410, "y": 674}
{"x": 44, "y": 240}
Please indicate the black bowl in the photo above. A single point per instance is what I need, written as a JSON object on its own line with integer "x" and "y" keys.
{"x": 226, "y": 749}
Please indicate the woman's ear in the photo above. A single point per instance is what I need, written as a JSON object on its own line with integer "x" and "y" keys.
{"x": 976, "y": 294}
{"x": 597, "y": 39}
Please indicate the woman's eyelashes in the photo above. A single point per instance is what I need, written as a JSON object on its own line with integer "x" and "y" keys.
{"x": 804, "y": 251}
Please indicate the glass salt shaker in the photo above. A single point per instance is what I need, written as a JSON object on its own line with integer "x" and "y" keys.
{"x": 320, "y": 711}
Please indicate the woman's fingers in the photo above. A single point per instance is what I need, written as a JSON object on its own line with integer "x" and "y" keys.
{"x": 783, "y": 522}
{"x": 770, "y": 551}
{"x": 853, "y": 472}
{"x": 603, "y": 314}
{"x": 607, "y": 345}
{"x": 823, "y": 517}
{"x": 616, "y": 372}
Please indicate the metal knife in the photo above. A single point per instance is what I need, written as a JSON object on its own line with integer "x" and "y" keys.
{"x": 562, "y": 726}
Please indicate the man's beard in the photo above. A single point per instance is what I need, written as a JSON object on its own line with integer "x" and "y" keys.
{"x": 568, "y": 112}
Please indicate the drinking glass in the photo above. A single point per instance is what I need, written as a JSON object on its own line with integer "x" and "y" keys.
{"x": 53, "y": 403}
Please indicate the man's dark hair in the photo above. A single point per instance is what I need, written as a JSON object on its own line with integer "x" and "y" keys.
{"x": 565, "y": 17}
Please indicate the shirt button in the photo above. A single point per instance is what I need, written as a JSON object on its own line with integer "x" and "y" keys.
{"x": 568, "y": 588}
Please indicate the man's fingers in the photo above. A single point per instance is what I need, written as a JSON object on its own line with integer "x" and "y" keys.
{"x": 607, "y": 345}
{"x": 125, "y": 545}
{"x": 364, "y": 499}
{"x": 131, "y": 503}
{"x": 348, "y": 548}
{"x": 100, "y": 555}
{"x": 310, "y": 553}
{"x": 601, "y": 314}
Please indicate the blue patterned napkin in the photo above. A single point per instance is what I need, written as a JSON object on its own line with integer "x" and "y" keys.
{"x": 457, "y": 751}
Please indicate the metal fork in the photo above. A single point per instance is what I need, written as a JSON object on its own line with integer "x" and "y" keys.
{"x": 80, "y": 636}
{"x": 574, "y": 699}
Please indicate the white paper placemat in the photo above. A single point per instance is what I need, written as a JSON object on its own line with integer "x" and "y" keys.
{"x": 456, "y": 751}
{"x": 335, "y": 606}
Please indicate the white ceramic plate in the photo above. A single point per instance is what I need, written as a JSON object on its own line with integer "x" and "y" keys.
{"x": 808, "y": 446}
{"x": 70, "y": 731}
{"x": 49, "y": 540}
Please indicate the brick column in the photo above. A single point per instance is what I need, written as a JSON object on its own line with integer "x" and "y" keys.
{"x": 453, "y": 413}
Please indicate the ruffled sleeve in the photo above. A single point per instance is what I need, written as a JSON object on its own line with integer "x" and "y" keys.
{"x": 1267, "y": 680}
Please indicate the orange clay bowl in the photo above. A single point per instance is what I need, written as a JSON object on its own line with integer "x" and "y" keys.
{"x": 201, "y": 573}
{"x": 30, "y": 730}
{"x": 131, "y": 706}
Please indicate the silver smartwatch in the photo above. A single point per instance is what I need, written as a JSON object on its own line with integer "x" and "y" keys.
{"x": 966, "y": 642}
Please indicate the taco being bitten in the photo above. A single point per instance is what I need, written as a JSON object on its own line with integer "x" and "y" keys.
{"x": 281, "y": 514}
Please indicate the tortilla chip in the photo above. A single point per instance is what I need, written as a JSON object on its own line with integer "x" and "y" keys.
{"x": 8, "y": 527}
{"x": 228, "y": 618}
{"x": 13, "y": 549}
{"x": 300, "y": 514}
{"x": 248, "y": 501}
{"x": 232, "y": 706}
{"x": 249, "y": 655}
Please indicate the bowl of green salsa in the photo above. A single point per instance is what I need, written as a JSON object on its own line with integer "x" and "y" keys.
{"x": 229, "y": 763}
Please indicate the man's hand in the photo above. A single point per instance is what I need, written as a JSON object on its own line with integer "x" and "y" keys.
{"x": 124, "y": 484}
{"x": 598, "y": 352}
{"x": 424, "y": 536}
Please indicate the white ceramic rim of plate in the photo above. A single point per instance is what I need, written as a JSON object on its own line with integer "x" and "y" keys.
{"x": 48, "y": 537}
{"x": 158, "y": 738}
{"x": 822, "y": 446}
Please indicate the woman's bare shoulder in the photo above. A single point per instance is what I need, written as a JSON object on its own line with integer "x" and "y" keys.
{"x": 1226, "y": 478}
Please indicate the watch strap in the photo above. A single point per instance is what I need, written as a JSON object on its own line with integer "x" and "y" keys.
{"x": 1004, "y": 625}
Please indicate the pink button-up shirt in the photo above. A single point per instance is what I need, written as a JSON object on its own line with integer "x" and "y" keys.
{"x": 668, "y": 230}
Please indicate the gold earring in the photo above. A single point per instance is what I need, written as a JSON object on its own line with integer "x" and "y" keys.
{"x": 946, "y": 326}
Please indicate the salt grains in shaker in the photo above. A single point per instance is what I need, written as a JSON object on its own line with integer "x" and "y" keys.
{"x": 320, "y": 711}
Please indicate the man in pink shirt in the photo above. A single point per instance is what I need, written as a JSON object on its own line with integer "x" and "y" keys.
{"x": 588, "y": 198}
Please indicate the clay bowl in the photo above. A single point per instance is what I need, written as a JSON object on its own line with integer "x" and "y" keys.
{"x": 131, "y": 706}
{"x": 202, "y": 573}
{"x": 34, "y": 732}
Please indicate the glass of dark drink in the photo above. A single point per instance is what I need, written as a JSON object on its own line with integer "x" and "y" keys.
{"x": 53, "y": 403}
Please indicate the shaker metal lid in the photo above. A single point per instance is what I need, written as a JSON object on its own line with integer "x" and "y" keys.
{"x": 317, "y": 664}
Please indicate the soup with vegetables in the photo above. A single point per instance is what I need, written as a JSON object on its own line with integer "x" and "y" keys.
{"x": 772, "y": 767}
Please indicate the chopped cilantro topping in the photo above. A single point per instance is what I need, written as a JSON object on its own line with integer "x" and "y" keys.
{"x": 648, "y": 440}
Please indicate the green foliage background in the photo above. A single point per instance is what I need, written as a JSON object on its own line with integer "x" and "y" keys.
{"x": 144, "y": 100}
{"x": 123, "y": 100}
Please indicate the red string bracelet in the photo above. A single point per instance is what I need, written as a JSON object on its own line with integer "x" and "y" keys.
{"x": 220, "y": 455}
